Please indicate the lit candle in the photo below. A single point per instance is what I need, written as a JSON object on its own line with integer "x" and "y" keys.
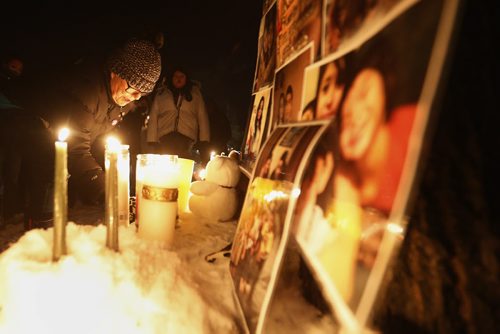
{"x": 123, "y": 185}
{"x": 158, "y": 202}
{"x": 60, "y": 195}
{"x": 212, "y": 155}
{"x": 111, "y": 219}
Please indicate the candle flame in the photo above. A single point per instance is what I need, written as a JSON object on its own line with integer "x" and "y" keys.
{"x": 113, "y": 144}
{"x": 202, "y": 174}
{"x": 63, "y": 134}
{"x": 212, "y": 155}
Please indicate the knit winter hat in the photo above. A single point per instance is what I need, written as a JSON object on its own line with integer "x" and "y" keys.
{"x": 139, "y": 63}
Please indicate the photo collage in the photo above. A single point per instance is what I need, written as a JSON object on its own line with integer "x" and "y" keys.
{"x": 333, "y": 145}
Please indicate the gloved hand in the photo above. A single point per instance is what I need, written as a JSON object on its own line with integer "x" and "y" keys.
{"x": 89, "y": 186}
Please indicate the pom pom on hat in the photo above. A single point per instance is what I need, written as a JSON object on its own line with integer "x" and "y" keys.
{"x": 139, "y": 63}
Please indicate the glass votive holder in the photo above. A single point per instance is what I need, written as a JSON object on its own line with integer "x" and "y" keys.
{"x": 186, "y": 168}
{"x": 157, "y": 186}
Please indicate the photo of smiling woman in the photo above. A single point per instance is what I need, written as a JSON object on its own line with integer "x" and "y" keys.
{"x": 257, "y": 127}
{"x": 329, "y": 91}
{"x": 351, "y": 185}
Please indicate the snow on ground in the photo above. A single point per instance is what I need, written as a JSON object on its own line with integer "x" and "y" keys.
{"x": 142, "y": 289}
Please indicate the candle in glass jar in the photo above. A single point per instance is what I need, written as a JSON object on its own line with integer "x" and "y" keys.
{"x": 123, "y": 185}
{"x": 186, "y": 167}
{"x": 142, "y": 161}
{"x": 158, "y": 202}
{"x": 111, "y": 219}
{"x": 60, "y": 195}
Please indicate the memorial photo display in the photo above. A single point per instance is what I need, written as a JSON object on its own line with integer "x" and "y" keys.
{"x": 345, "y": 155}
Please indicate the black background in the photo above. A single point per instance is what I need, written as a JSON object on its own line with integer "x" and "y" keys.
{"x": 451, "y": 251}
{"x": 215, "y": 40}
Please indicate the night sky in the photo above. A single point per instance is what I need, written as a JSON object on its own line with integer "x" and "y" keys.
{"x": 216, "y": 40}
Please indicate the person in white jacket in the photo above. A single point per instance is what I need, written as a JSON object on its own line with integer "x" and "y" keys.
{"x": 178, "y": 119}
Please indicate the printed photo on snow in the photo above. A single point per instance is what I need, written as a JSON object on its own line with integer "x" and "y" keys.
{"x": 259, "y": 238}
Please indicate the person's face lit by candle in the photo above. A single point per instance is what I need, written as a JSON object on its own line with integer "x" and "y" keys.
{"x": 122, "y": 92}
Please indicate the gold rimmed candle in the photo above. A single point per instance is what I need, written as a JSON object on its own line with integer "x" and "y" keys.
{"x": 60, "y": 194}
{"x": 158, "y": 200}
{"x": 142, "y": 161}
{"x": 111, "y": 218}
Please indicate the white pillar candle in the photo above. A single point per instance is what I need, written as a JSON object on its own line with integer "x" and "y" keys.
{"x": 186, "y": 167}
{"x": 111, "y": 220}
{"x": 158, "y": 201}
{"x": 123, "y": 185}
{"x": 142, "y": 161}
{"x": 60, "y": 195}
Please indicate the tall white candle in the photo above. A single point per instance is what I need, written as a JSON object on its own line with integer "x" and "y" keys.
{"x": 60, "y": 195}
{"x": 123, "y": 185}
{"x": 158, "y": 202}
{"x": 111, "y": 211}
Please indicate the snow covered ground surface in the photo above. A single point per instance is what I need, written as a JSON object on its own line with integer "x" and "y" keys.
{"x": 142, "y": 289}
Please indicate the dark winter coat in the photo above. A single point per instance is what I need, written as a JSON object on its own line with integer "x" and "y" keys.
{"x": 81, "y": 101}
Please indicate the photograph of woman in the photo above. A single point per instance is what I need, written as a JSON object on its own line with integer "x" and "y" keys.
{"x": 258, "y": 126}
{"x": 266, "y": 60}
{"x": 353, "y": 180}
{"x": 250, "y": 146}
{"x": 329, "y": 85}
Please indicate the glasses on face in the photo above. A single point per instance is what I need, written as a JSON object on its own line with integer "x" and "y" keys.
{"x": 134, "y": 91}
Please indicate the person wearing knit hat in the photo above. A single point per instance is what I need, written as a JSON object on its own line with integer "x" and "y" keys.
{"x": 134, "y": 68}
{"x": 90, "y": 99}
